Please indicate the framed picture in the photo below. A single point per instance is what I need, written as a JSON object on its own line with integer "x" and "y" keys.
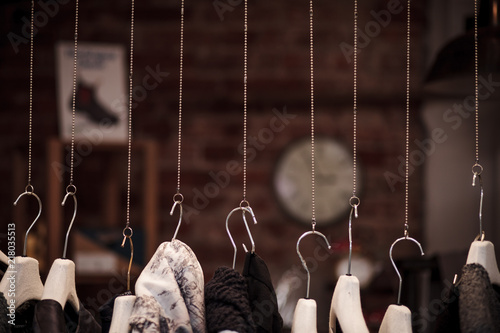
{"x": 101, "y": 101}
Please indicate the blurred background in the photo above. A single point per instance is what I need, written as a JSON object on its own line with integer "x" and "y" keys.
{"x": 443, "y": 204}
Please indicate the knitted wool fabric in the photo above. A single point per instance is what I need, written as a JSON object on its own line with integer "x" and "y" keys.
{"x": 226, "y": 303}
{"x": 472, "y": 305}
{"x": 479, "y": 305}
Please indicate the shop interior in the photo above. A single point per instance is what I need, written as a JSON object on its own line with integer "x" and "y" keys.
{"x": 247, "y": 142}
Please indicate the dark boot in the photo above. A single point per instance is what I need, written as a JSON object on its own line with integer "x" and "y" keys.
{"x": 87, "y": 103}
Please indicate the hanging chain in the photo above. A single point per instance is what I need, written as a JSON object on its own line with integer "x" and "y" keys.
{"x": 181, "y": 68}
{"x": 71, "y": 188}
{"x": 354, "y": 200}
{"x": 29, "y": 187}
{"x": 127, "y": 231}
{"x": 73, "y": 113}
{"x": 476, "y": 79}
{"x": 130, "y": 87}
{"x": 178, "y": 197}
{"x": 245, "y": 99}
{"x": 477, "y": 168}
{"x": 355, "y": 101}
{"x": 313, "y": 175}
{"x": 407, "y": 143}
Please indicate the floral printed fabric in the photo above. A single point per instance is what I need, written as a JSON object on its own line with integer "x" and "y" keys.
{"x": 170, "y": 292}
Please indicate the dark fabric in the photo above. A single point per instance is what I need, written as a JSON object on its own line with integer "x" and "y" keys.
{"x": 448, "y": 320}
{"x": 261, "y": 295}
{"x": 23, "y": 320}
{"x": 106, "y": 312}
{"x": 4, "y": 324}
{"x": 50, "y": 318}
{"x": 3, "y": 267}
{"x": 24, "y": 317}
{"x": 473, "y": 305}
{"x": 337, "y": 326}
{"x": 226, "y": 303}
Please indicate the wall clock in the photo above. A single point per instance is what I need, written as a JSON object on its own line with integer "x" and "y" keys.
{"x": 292, "y": 180}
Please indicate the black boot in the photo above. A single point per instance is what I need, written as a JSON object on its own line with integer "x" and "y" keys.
{"x": 86, "y": 102}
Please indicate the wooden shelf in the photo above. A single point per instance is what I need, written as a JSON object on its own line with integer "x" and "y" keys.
{"x": 145, "y": 151}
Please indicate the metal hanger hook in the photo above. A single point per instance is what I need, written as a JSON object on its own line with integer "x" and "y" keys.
{"x": 70, "y": 191}
{"x": 477, "y": 169}
{"x": 304, "y": 264}
{"x": 129, "y": 237}
{"x": 354, "y": 209}
{"x": 243, "y": 209}
{"x": 178, "y": 199}
{"x": 29, "y": 190}
{"x": 394, "y": 264}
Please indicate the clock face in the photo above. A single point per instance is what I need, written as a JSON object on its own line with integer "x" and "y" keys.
{"x": 334, "y": 169}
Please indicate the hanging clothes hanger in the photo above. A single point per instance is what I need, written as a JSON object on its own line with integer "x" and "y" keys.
{"x": 397, "y": 318}
{"x": 482, "y": 251}
{"x": 346, "y": 300}
{"x": 244, "y": 209}
{"x": 25, "y": 269}
{"x": 60, "y": 284}
{"x": 304, "y": 317}
{"x": 124, "y": 304}
{"x": 27, "y": 275}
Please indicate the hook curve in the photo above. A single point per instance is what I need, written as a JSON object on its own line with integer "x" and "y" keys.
{"x": 129, "y": 236}
{"x": 477, "y": 169}
{"x": 178, "y": 199}
{"x": 394, "y": 264}
{"x": 354, "y": 201}
{"x": 304, "y": 264}
{"x": 29, "y": 190}
{"x": 243, "y": 209}
{"x": 70, "y": 191}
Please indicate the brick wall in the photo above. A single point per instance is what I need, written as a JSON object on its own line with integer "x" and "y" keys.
{"x": 278, "y": 79}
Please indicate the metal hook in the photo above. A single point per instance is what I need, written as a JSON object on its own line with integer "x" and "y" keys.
{"x": 70, "y": 190}
{"x": 178, "y": 199}
{"x": 243, "y": 209}
{"x": 125, "y": 236}
{"x": 477, "y": 169}
{"x": 394, "y": 265}
{"x": 304, "y": 264}
{"x": 354, "y": 202}
{"x": 29, "y": 190}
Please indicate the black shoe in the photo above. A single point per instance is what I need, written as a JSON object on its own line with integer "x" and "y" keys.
{"x": 86, "y": 102}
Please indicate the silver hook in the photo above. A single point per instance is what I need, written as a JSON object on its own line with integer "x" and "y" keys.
{"x": 178, "y": 199}
{"x": 477, "y": 169}
{"x": 29, "y": 190}
{"x": 129, "y": 236}
{"x": 243, "y": 209}
{"x": 304, "y": 264}
{"x": 394, "y": 265}
{"x": 354, "y": 202}
{"x": 70, "y": 190}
